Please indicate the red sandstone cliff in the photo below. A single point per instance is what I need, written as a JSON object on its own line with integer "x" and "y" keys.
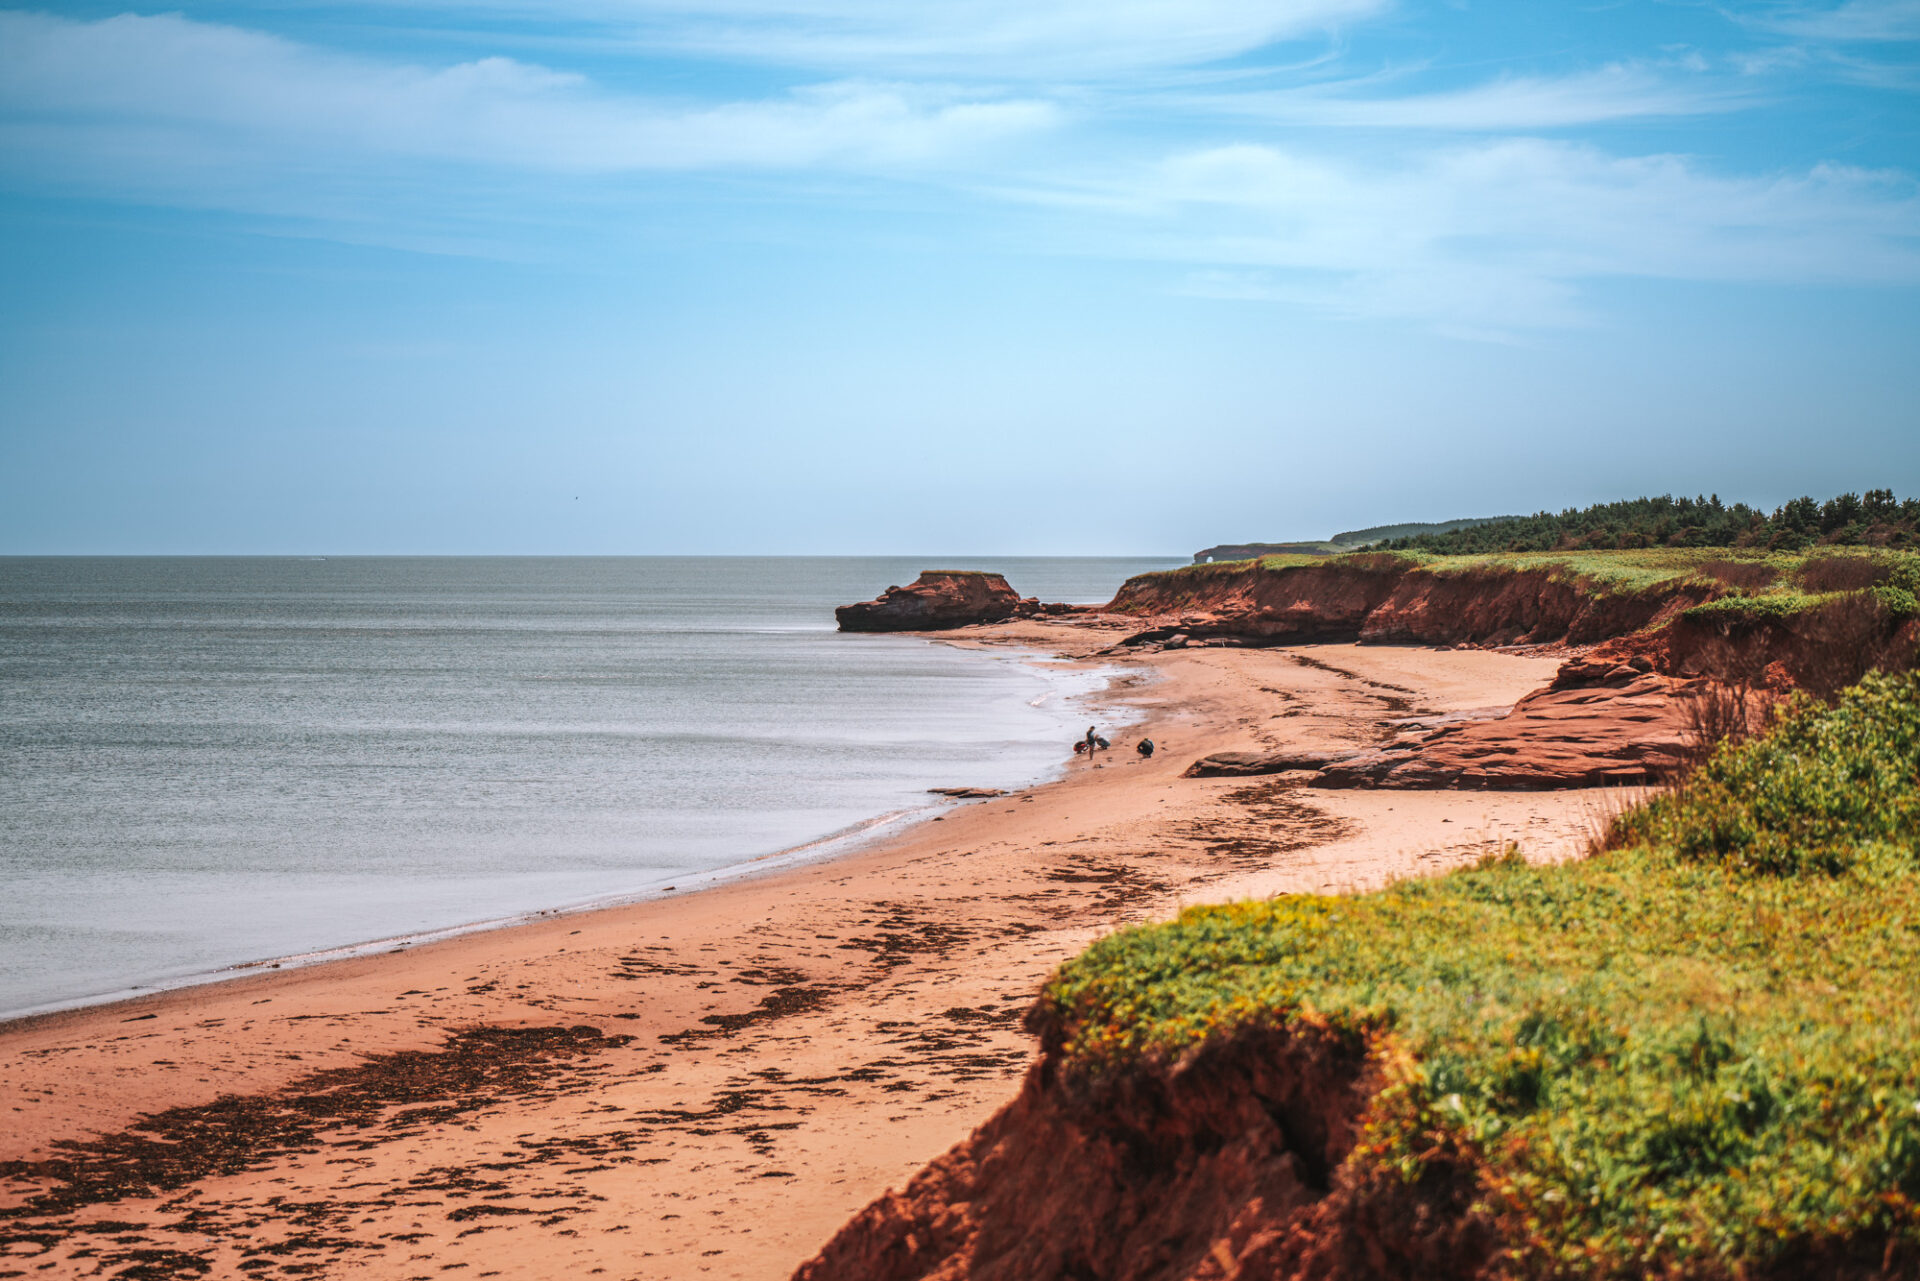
{"x": 1821, "y": 649}
{"x": 1387, "y": 599}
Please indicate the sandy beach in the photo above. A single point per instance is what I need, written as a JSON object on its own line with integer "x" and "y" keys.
{"x": 709, "y": 1085}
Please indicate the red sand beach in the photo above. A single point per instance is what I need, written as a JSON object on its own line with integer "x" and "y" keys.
{"x": 708, "y": 1085}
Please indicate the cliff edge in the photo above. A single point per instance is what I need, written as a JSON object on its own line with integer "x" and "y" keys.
{"x": 1390, "y": 598}
{"x": 1227, "y": 1164}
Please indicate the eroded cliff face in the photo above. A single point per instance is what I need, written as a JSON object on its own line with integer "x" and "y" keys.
{"x": 1232, "y": 1163}
{"x": 1389, "y": 600}
{"x": 1821, "y": 650}
{"x": 1385, "y": 599}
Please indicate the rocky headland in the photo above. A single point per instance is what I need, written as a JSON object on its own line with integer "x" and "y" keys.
{"x": 941, "y": 599}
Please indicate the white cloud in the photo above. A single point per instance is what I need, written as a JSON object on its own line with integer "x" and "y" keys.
{"x": 1512, "y": 103}
{"x": 1498, "y": 236}
{"x": 1072, "y": 39}
{"x": 167, "y": 89}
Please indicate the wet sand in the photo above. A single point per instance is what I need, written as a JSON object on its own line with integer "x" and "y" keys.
{"x": 707, "y": 1085}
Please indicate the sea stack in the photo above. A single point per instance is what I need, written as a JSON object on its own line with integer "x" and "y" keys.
{"x": 939, "y": 598}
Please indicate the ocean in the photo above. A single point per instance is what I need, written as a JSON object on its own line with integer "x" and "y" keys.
{"x": 209, "y": 762}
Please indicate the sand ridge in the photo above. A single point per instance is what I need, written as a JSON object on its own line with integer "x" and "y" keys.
{"x": 707, "y": 1085}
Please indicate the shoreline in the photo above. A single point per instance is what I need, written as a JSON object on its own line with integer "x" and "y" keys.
{"x": 834, "y": 844}
{"x": 853, "y": 837}
{"x": 765, "y": 1056}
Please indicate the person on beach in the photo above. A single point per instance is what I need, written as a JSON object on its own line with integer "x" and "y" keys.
{"x": 1091, "y": 740}
{"x": 1144, "y": 747}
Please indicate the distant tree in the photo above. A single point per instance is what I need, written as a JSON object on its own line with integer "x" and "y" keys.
{"x": 1705, "y": 521}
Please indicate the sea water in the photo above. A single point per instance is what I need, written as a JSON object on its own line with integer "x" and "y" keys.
{"x": 206, "y": 762}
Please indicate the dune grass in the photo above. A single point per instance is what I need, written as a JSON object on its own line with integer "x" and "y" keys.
{"x": 1691, "y": 1054}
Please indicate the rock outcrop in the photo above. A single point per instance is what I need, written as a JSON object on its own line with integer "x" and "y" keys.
{"x": 1620, "y": 725}
{"x": 1242, "y": 764}
{"x": 938, "y": 599}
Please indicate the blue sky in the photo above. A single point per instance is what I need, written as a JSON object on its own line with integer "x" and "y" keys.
{"x": 825, "y": 276}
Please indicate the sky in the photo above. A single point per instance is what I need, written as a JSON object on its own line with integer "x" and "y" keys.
{"x": 984, "y": 276}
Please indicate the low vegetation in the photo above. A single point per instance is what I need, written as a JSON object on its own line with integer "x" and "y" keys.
{"x": 1802, "y": 574}
{"x": 1695, "y": 1053}
{"x": 1875, "y": 518}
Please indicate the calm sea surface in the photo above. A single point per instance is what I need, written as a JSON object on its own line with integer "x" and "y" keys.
{"x": 210, "y": 761}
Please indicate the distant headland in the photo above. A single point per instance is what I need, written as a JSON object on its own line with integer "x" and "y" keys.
{"x": 1349, "y": 541}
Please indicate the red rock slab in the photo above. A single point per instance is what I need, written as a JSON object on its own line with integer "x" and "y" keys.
{"x": 1241, "y": 764}
{"x": 1631, "y": 729}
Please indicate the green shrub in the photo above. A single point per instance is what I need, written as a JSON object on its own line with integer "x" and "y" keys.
{"x": 1899, "y": 602}
{"x": 1815, "y": 795}
{"x": 1751, "y": 610}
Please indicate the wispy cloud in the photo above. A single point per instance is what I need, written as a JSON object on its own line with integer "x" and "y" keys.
{"x": 1855, "y": 20}
{"x": 999, "y": 39}
{"x": 1513, "y": 103}
{"x": 171, "y": 90}
{"x": 1868, "y": 45}
{"x": 1497, "y": 236}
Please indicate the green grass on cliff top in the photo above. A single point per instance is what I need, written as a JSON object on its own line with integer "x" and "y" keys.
{"x": 1687, "y": 1055}
{"x": 1604, "y": 571}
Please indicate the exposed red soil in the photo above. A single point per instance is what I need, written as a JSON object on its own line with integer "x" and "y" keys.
{"x": 1231, "y": 1163}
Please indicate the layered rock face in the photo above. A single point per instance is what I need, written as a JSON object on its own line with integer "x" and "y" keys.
{"x": 1820, "y": 650}
{"x": 1386, "y": 599}
{"x": 938, "y": 599}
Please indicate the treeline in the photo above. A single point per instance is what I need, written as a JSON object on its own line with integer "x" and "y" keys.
{"x": 1386, "y": 533}
{"x": 1875, "y": 518}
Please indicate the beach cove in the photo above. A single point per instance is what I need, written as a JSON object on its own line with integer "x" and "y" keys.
{"x": 709, "y": 1085}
